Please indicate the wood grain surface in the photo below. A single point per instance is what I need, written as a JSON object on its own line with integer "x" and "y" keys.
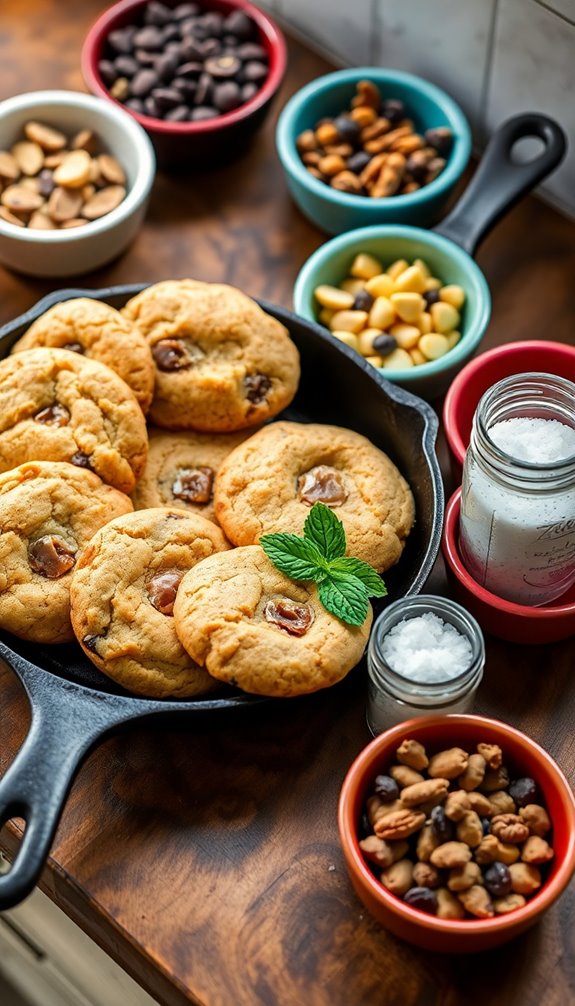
{"x": 207, "y": 862}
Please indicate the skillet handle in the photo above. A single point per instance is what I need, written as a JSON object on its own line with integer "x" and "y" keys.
{"x": 500, "y": 182}
{"x": 65, "y": 725}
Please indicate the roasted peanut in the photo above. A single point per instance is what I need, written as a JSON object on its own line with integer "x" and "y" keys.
{"x": 457, "y": 805}
{"x": 536, "y": 818}
{"x": 469, "y": 829}
{"x": 398, "y": 878}
{"x": 399, "y": 824}
{"x": 420, "y": 792}
{"x": 510, "y": 903}
{"x": 525, "y": 879}
{"x": 480, "y": 803}
{"x": 412, "y": 754}
{"x": 450, "y": 854}
{"x": 501, "y": 802}
{"x": 403, "y": 775}
{"x": 491, "y": 849}
{"x": 477, "y": 902}
{"x": 495, "y": 780}
{"x": 448, "y": 906}
{"x": 474, "y": 772}
{"x": 463, "y": 877}
{"x": 536, "y": 850}
{"x": 448, "y": 764}
{"x": 427, "y": 841}
{"x": 426, "y": 875}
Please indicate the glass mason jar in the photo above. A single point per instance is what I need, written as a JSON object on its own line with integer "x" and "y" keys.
{"x": 517, "y": 524}
{"x": 392, "y": 696}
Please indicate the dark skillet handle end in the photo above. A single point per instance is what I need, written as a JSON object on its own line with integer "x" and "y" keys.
{"x": 500, "y": 182}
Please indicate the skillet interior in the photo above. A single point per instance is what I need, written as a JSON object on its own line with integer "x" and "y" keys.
{"x": 336, "y": 387}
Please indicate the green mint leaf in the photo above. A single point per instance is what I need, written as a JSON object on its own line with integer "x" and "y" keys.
{"x": 345, "y": 598}
{"x": 325, "y": 530}
{"x": 362, "y": 571}
{"x": 296, "y": 557}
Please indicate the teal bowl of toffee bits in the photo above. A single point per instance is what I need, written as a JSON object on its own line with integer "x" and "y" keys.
{"x": 406, "y": 99}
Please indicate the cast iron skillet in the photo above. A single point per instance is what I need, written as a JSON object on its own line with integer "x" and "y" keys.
{"x": 74, "y": 706}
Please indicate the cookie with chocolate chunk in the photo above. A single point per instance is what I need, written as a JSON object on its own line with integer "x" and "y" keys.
{"x": 96, "y": 330}
{"x": 250, "y": 626}
{"x": 222, "y": 364}
{"x": 122, "y": 599}
{"x": 270, "y": 482}
{"x": 181, "y": 469}
{"x": 56, "y": 405}
{"x": 48, "y": 511}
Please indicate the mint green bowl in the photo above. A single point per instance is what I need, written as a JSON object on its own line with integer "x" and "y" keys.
{"x": 331, "y": 263}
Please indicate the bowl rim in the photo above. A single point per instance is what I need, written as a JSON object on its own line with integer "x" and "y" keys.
{"x": 292, "y": 164}
{"x": 101, "y": 28}
{"x": 145, "y": 164}
{"x": 451, "y": 554}
{"x": 352, "y": 240}
{"x": 457, "y": 387}
{"x": 355, "y": 861}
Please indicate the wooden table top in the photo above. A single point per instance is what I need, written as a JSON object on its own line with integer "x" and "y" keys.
{"x": 207, "y": 863}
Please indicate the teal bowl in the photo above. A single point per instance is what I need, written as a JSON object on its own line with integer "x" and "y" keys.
{"x": 334, "y": 211}
{"x": 332, "y": 260}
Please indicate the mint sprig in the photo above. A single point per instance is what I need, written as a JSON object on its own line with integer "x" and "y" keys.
{"x": 345, "y": 584}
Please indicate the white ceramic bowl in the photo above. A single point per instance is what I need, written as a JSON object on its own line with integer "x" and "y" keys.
{"x": 78, "y": 250}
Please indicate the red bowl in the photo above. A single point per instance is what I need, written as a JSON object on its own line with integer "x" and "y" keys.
{"x": 524, "y": 758}
{"x": 188, "y": 146}
{"x": 480, "y": 374}
{"x": 517, "y": 623}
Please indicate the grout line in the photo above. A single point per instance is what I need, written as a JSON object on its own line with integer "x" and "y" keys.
{"x": 483, "y": 132}
{"x": 559, "y": 14}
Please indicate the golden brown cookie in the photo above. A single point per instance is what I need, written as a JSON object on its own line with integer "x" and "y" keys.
{"x": 181, "y": 468}
{"x": 59, "y": 406}
{"x": 222, "y": 364}
{"x": 270, "y": 482}
{"x": 250, "y": 626}
{"x": 48, "y": 511}
{"x": 122, "y": 598}
{"x": 99, "y": 332}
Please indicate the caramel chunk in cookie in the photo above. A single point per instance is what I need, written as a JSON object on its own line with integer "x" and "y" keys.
{"x": 270, "y": 481}
{"x": 96, "y": 330}
{"x": 222, "y": 364}
{"x": 48, "y": 511}
{"x": 250, "y": 626}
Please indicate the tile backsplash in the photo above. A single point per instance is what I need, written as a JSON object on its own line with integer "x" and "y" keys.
{"x": 495, "y": 57}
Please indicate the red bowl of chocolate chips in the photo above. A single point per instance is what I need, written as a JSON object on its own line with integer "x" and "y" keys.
{"x": 199, "y": 77}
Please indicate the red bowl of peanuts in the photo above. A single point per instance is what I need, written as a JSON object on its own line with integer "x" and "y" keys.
{"x": 458, "y": 832}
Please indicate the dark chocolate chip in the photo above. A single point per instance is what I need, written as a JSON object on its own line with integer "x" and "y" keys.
{"x": 53, "y": 415}
{"x": 212, "y": 47}
{"x": 202, "y": 113}
{"x": 107, "y": 72}
{"x": 166, "y": 98}
{"x": 150, "y": 38}
{"x": 136, "y": 105}
{"x": 192, "y": 50}
{"x": 249, "y": 50}
{"x": 254, "y": 72}
{"x": 187, "y": 88}
{"x": 238, "y": 23}
{"x": 180, "y": 113}
{"x": 193, "y": 485}
{"x": 90, "y": 642}
{"x": 81, "y": 460}
{"x": 249, "y": 91}
{"x": 185, "y": 10}
{"x": 348, "y": 130}
{"x": 384, "y": 344}
{"x": 193, "y": 70}
{"x": 227, "y": 96}
{"x": 431, "y": 297}
{"x": 145, "y": 58}
{"x": 166, "y": 66}
{"x": 143, "y": 83}
{"x": 121, "y": 40}
{"x": 257, "y": 387}
{"x": 363, "y": 301}
{"x": 171, "y": 354}
{"x": 157, "y": 13}
{"x": 151, "y": 108}
{"x": 204, "y": 90}
{"x": 394, "y": 110}
{"x": 441, "y": 138}
{"x": 126, "y": 66}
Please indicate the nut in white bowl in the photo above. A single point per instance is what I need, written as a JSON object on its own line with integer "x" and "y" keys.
{"x": 76, "y": 250}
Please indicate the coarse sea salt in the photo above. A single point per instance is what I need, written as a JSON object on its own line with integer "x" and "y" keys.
{"x": 534, "y": 440}
{"x": 426, "y": 649}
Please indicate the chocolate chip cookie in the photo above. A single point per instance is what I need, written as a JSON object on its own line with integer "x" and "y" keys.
{"x": 48, "y": 511}
{"x": 270, "y": 482}
{"x": 181, "y": 469}
{"x": 58, "y": 406}
{"x": 123, "y": 593}
{"x": 250, "y": 626}
{"x": 222, "y": 364}
{"x": 99, "y": 332}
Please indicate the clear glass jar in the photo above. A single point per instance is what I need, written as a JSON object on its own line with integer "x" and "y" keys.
{"x": 517, "y": 525}
{"x": 392, "y": 697}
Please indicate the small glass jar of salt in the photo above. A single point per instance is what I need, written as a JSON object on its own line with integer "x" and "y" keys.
{"x": 426, "y": 656}
{"x": 517, "y": 524}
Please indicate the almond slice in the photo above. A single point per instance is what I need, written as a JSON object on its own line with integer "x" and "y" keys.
{"x": 64, "y": 204}
{"x": 10, "y": 218}
{"x": 41, "y": 221}
{"x": 84, "y": 140}
{"x": 111, "y": 170}
{"x": 74, "y": 222}
{"x": 9, "y": 170}
{"x": 28, "y": 156}
{"x": 74, "y": 171}
{"x": 19, "y": 199}
{"x": 45, "y": 136}
{"x": 103, "y": 202}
